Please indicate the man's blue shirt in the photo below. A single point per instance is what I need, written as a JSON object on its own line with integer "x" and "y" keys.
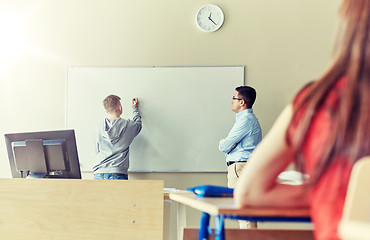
{"x": 246, "y": 134}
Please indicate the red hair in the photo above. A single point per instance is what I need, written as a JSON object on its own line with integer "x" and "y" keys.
{"x": 350, "y": 134}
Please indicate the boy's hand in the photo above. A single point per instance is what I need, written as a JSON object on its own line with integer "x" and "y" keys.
{"x": 135, "y": 102}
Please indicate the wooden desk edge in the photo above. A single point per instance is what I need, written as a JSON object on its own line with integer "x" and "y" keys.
{"x": 226, "y": 206}
{"x": 166, "y": 194}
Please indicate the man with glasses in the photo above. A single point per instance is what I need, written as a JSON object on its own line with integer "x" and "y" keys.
{"x": 242, "y": 138}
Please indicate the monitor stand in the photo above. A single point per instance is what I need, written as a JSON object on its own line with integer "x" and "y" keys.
{"x": 37, "y": 175}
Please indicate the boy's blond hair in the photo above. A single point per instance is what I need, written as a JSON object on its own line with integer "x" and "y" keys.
{"x": 111, "y": 103}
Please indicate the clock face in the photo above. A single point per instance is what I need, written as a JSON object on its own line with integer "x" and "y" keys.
{"x": 209, "y": 18}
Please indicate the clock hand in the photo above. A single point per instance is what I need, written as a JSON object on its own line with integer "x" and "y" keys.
{"x": 212, "y": 21}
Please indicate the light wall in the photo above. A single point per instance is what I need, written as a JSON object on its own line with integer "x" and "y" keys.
{"x": 282, "y": 43}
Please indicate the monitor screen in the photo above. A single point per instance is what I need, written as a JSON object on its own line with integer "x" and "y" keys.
{"x": 51, "y": 154}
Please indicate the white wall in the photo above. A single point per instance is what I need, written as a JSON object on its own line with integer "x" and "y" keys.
{"x": 283, "y": 44}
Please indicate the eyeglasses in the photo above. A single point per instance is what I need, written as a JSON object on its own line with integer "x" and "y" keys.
{"x": 234, "y": 98}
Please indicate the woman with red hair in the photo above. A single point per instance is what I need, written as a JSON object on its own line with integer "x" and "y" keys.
{"x": 324, "y": 131}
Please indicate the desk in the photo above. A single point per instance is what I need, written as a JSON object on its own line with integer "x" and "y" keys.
{"x": 81, "y": 209}
{"x": 222, "y": 208}
{"x": 180, "y": 212}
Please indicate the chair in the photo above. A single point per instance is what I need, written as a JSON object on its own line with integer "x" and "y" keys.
{"x": 355, "y": 222}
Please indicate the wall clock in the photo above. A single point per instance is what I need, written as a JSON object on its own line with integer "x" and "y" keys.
{"x": 209, "y": 18}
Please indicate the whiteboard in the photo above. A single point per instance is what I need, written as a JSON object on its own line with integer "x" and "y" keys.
{"x": 185, "y": 112}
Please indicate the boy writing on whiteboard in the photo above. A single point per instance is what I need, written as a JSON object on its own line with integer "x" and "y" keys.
{"x": 115, "y": 135}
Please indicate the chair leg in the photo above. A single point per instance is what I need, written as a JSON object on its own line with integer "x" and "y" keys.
{"x": 204, "y": 224}
{"x": 219, "y": 228}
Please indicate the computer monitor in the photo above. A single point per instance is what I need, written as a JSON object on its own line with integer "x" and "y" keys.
{"x": 51, "y": 154}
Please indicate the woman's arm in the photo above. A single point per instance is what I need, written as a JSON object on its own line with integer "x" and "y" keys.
{"x": 257, "y": 185}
